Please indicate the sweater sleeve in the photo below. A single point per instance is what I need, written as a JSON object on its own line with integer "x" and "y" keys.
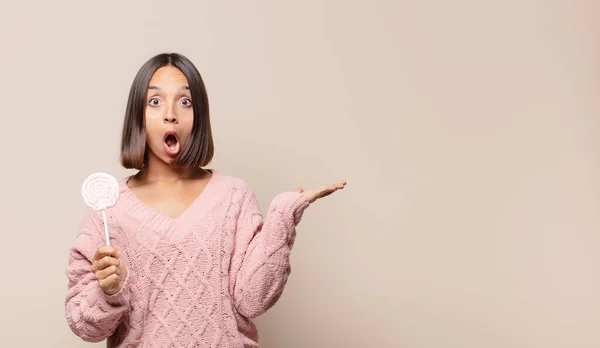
{"x": 260, "y": 263}
{"x": 91, "y": 314}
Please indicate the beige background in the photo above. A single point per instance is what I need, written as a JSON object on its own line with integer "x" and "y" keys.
{"x": 468, "y": 132}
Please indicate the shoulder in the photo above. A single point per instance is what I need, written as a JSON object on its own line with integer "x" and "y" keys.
{"x": 240, "y": 189}
{"x": 90, "y": 227}
{"x": 232, "y": 181}
{"x": 91, "y": 218}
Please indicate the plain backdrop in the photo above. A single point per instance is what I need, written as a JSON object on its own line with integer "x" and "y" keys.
{"x": 468, "y": 132}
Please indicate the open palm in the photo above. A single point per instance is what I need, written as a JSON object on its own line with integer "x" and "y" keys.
{"x": 323, "y": 191}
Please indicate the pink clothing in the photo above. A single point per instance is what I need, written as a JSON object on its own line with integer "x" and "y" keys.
{"x": 193, "y": 281}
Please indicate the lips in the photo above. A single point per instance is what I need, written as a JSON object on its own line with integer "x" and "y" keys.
{"x": 171, "y": 143}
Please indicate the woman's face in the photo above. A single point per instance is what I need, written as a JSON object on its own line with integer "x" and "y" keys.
{"x": 168, "y": 115}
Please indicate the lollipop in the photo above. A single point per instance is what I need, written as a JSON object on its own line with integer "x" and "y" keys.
{"x": 99, "y": 192}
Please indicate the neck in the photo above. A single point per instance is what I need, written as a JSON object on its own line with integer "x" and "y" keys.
{"x": 157, "y": 170}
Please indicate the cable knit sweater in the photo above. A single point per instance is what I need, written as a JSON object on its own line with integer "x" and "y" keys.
{"x": 193, "y": 281}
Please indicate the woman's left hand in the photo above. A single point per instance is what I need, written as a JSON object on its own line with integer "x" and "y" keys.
{"x": 323, "y": 191}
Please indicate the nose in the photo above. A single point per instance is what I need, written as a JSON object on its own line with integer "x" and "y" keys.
{"x": 170, "y": 116}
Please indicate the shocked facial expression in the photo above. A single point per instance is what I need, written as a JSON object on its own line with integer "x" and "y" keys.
{"x": 168, "y": 116}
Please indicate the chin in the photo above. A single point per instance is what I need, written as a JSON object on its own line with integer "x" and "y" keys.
{"x": 168, "y": 160}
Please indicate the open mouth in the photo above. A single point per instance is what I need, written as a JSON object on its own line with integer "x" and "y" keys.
{"x": 171, "y": 144}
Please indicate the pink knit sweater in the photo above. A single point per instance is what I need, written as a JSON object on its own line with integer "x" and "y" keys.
{"x": 193, "y": 281}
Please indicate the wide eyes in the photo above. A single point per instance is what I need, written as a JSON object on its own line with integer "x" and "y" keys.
{"x": 184, "y": 102}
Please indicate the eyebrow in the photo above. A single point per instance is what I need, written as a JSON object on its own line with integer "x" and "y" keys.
{"x": 158, "y": 88}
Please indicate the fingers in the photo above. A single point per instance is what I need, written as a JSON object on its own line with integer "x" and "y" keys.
{"x": 337, "y": 186}
{"x": 106, "y": 257}
{"x": 110, "y": 282}
{"x": 325, "y": 191}
{"x": 108, "y": 269}
{"x": 322, "y": 191}
{"x": 332, "y": 188}
{"x": 106, "y": 251}
{"x": 105, "y": 262}
{"x": 107, "y": 273}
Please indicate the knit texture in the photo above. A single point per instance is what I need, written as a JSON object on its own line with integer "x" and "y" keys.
{"x": 193, "y": 281}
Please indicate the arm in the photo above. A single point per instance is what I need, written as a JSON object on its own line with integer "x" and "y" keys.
{"x": 260, "y": 262}
{"x": 91, "y": 314}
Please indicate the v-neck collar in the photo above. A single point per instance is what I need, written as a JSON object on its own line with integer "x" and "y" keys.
{"x": 157, "y": 220}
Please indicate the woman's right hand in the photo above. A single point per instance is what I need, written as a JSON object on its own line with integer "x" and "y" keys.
{"x": 109, "y": 270}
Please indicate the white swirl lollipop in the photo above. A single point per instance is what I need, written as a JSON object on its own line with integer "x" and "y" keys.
{"x": 100, "y": 191}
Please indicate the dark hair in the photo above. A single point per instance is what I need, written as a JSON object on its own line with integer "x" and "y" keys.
{"x": 199, "y": 149}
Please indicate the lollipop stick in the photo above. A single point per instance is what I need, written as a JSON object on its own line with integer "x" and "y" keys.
{"x": 105, "y": 227}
